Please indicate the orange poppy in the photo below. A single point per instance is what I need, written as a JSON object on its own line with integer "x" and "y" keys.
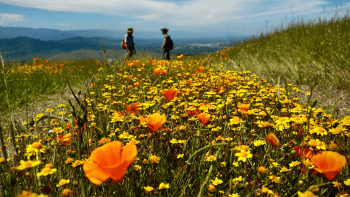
{"x": 303, "y": 151}
{"x": 156, "y": 71}
{"x": 306, "y": 154}
{"x": 193, "y": 112}
{"x": 134, "y": 108}
{"x": 109, "y": 161}
{"x": 244, "y": 107}
{"x": 155, "y": 121}
{"x": 329, "y": 163}
{"x": 68, "y": 126}
{"x": 65, "y": 139}
{"x": 170, "y": 94}
{"x": 200, "y": 69}
{"x": 272, "y": 139}
{"x": 152, "y": 61}
{"x": 203, "y": 117}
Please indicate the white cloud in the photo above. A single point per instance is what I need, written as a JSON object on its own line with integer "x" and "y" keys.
{"x": 9, "y": 18}
{"x": 191, "y": 13}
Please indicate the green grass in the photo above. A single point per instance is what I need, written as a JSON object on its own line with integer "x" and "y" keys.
{"x": 28, "y": 82}
{"x": 298, "y": 53}
{"x": 88, "y": 53}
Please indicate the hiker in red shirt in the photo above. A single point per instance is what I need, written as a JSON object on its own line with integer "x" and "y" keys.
{"x": 129, "y": 44}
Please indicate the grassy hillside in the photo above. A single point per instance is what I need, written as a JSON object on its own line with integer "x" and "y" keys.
{"x": 99, "y": 54}
{"x": 298, "y": 53}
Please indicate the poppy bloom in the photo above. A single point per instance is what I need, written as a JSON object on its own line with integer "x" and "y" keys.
{"x": 65, "y": 139}
{"x": 170, "y": 94}
{"x": 200, "y": 69}
{"x": 134, "y": 108}
{"x": 68, "y": 126}
{"x": 203, "y": 117}
{"x": 272, "y": 139}
{"x": 329, "y": 163}
{"x": 156, "y": 71}
{"x": 306, "y": 154}
{"x": 109, "y": 161}
{"x": 151, "y": 61}
{"x": 154, "y": 121}
{"x": 244, "y": 107}
{"x": 180, "y": 57}
{"x": 303, "y": 151}
{"x": 193, "y": 112}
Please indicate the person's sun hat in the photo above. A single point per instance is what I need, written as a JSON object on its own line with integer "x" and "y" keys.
{"x": 164, "y": 29}
{"x": 130, "y": 30}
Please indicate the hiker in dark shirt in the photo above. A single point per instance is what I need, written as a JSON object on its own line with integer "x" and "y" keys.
{"x": 165, "y": 48}
{"x": 129, "y": 43}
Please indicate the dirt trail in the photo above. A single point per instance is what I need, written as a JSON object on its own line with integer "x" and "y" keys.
{"x": 38, "y": 106}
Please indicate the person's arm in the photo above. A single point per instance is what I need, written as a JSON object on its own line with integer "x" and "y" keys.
{"x": 164, "y": 43}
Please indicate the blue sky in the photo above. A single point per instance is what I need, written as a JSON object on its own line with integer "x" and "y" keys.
{"x": 238, "y": 17}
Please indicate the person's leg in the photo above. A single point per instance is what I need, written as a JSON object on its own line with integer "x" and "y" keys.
{"x": 128, "y": 53}
{"x": 168, "y": 55}
{"x": 164, "y": 54}
{"x": 131, "y": 54}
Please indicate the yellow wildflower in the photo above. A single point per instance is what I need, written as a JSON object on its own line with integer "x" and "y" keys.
{"x": 163, "y": 186}
{"x": 62, "y": 182}
{"x": 154, "y": 159}
{"x": 27, "y": 164}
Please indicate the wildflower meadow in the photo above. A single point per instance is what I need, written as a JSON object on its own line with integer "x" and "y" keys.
{"x": 185, "y": 127}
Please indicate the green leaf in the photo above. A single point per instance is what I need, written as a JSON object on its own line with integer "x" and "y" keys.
{"x": 314, "y": 103}
{"x": 76, "y": 98}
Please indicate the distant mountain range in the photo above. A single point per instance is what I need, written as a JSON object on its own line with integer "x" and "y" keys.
{"x": 19, "y": 43}
{"x": 24, "y": 46}
{"x": 54, "y": 34}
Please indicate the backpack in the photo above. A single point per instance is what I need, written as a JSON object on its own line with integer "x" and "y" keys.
{"x": 123, "y": 44}
{"x": 170, "y": 44}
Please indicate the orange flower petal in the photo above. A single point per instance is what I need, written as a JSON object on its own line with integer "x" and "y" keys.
{"x": 272, "y": 139}
{"x": 108, "y": 154}
{"x": 329, "y": 163}
{"x": 117, "y": 172}
{"x": 203, "y": 117}
{"x": 94, "y": 172}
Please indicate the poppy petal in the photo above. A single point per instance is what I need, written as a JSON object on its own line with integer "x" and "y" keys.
{"x": 117, "y": 172}
{"x": 94, "y": 172}
{"x": 108, "y": 155}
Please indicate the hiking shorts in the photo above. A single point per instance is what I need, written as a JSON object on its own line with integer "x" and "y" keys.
{"x": 129, "y": 51}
